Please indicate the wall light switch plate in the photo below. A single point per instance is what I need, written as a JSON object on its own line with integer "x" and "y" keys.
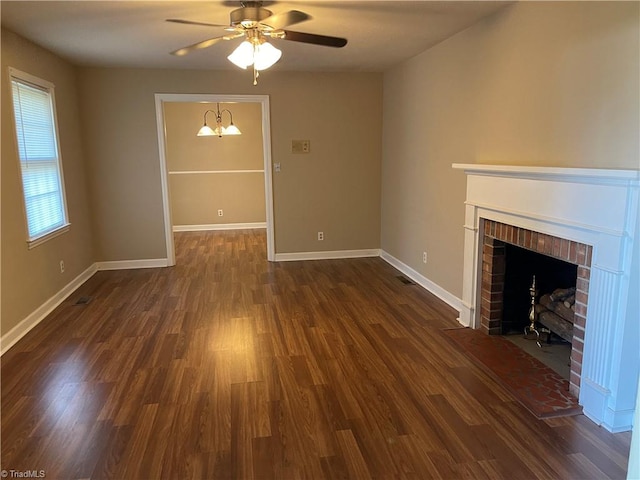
{"x": 276, "y": 167}
{"x": 300, "y": 146}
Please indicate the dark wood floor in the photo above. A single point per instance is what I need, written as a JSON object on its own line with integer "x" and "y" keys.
{"x": 227, "y": 366}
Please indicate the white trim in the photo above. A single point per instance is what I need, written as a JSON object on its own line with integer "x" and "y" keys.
{"x": 268, "y": 180}
{"x": 27, "y": 77}
{"x": 598, "y": 176}
{"x": 133, "y": 264}
{"x": 9, "y": 339}
{"x": 164, "y": 182}
{"x": 50, "y": 88}
{"x": 48, "y": 236}
{"x": 208, "y": 172}
{"x": 551, "y": 220}
{"x": 263, "y": 100}
{"x": 633, "y": 469}
{"x": 219, "y": 226}
{"x": 330, "y": 255}
{"x": 444, "y": 295}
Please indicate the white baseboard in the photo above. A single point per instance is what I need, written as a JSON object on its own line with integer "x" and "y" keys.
{"x": 133, "y": 264}
{"x": 20, "y": 330}
{"x": 9, "y": 339}
{"x": 596, "y": 400}
{"x": 332, "y": 255}
{"x": 219, "y": 226}
{"x": 423, "y": 281}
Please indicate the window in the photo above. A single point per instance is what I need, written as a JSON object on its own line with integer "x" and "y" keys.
{"x": 40, "y": 167}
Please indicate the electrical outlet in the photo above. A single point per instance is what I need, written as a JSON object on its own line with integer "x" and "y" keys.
{"x": 61, "y": 266}
{"x": 220, "y": 213}
{"x": 320, "y": 236}
{"x": 424, "y": 257}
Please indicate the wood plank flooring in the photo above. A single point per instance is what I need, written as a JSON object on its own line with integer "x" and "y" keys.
{"x": 228, "y": 366}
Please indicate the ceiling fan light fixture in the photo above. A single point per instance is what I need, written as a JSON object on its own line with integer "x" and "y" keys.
{"x": 256, "y": 24}
{"x": 265, "y": 56}
{"x": 242, "y": 56}
{"x": 258, "y": 53}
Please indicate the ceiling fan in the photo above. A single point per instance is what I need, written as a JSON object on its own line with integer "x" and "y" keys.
{"x": 256, "y": 24}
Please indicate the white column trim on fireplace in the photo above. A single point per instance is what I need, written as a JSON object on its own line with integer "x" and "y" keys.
{"x": 597, "y": 207}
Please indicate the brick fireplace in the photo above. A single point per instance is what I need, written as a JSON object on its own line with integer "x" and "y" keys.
{"x": 587, "y": 217}
{"x": 494, "y": 236}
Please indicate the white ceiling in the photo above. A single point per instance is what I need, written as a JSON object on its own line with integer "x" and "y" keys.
{"x": 135, "y": 34}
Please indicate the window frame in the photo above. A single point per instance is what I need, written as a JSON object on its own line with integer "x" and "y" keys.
{"x": 36, "y": 82}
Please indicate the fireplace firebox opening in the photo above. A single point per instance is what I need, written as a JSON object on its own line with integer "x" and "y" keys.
{"x": 554, "y": 277}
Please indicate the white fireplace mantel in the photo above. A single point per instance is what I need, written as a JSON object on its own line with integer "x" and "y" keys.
{"x": 597, "y": 207}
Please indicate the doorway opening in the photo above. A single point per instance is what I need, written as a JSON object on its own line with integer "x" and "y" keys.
{"x": 263, "y": 101}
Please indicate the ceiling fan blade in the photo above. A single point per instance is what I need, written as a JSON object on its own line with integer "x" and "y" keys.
{"x": 189, "y": 22}
{"x": 284, "y": 19}
{"x": 196, "y": 46}
{"x": 314, "y": 39}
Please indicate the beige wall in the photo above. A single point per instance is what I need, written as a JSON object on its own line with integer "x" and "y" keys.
{"x": 197, "y": 197}
{"x": 335, "y": 188}
{"x": 539, "y": 83}
{"x": 31, "y": 277}
{"x": 536, "y": 84}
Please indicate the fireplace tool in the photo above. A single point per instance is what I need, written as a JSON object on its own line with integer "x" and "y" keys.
{"x": 532, "y": 314}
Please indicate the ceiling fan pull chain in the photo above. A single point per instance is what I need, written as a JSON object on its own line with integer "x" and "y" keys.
{"x": 256, "y": 74}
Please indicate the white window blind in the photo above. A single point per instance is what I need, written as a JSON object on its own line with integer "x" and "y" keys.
{"x": 36, "y": 133}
